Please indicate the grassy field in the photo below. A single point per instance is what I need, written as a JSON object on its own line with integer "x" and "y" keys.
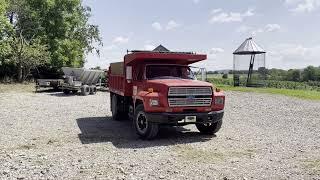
{"x": 17, "y": 88}
{"x": 302, "y": 94}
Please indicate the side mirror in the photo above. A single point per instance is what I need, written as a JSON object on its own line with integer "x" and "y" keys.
{"x": 203, "y": 74}
{"x": 129, "y": 73}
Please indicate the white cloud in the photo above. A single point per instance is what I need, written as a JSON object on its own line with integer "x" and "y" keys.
{"x": 120, "y": 40}
{"x": 293, "y": 56}
{"x": 254, "y": 31}
{"x": 272, "y": 27}
{"x": 196, "y": 1}
{"x": 218, "y": 16}
{"x": 172, "y": 25}
{"x": 301, "y": 6}
{"x": 216, "y": 50}
{"x": 157, "y": 26}
{"x": 149, "y": 47}
{"x": 110, "y": 47}
{"x": 216, "y": 11}
{"x": 244, "y": 29}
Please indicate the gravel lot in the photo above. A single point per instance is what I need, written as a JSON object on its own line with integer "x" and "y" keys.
{"x": 52, "y": 136}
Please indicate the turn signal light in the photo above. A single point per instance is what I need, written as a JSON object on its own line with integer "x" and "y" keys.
{"x": 150, "y": 90}
{"x": 219, "y": 100}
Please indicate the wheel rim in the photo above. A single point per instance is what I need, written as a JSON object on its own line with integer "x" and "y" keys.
{"x": 142, "y": 123}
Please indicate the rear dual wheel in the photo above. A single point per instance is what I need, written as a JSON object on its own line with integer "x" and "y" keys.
{"x": 115, "y": 109}
{"x": 66, "y": 91}
{"x": 85, "y": 90}
{"x": 93, "y": 90}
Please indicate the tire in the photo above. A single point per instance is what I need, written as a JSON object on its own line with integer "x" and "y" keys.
{"x": 93, "y": 90}
{"x": 74, "y": 91}
{"x": 209, "y": 129}
{"x": 66, "y": 91}
{"x": 115, "y": 108}
{"x": 85, "y": 90}
{"x": 146, "y": 130}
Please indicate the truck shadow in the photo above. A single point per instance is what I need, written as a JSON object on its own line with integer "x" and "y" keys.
{"x": 122, "y": 135}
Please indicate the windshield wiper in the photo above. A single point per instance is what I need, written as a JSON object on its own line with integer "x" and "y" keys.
{"x": 166, "y": 77}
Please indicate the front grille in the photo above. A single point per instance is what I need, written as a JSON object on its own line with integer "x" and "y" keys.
{"x": 187, "y": 102}
{"x": 190, "y": 91}
{"x": 190, "y": 96}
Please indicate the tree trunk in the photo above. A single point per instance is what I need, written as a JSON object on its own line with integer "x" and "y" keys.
{"x": 20, "y": 78}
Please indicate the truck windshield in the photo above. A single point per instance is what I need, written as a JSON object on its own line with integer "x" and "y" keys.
{"x": 168, "y": 72}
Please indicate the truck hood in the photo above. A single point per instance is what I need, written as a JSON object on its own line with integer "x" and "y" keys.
{"x": 180, "y": 83}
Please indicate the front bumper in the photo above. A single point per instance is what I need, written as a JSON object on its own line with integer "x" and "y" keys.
{"x": 177, "y": 118}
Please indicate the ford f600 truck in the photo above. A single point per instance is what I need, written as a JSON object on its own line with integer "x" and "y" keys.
{"x": 155, "y": 88}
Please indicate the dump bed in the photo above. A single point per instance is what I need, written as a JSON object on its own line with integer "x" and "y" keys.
{"x": 116, "y": 76}
{"x": 117, "y": 72}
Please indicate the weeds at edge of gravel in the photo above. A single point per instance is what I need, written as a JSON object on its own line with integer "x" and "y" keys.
{"x": 312, "y": 164}
{"x": 209, "y": 155}
{"x": 25, "y": 147}
{"x": 301, "y": 94}
{"x": 17, "y": 88}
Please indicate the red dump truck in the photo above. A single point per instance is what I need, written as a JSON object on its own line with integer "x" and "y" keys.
{"x": 155, "y": 88}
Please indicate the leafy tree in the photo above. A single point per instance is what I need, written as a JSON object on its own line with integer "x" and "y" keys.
{"x": 5, "y": 29}
{"x": 277, "y": 74}
{"x": 293, "y": 75}
{"x": 225, "y": 76}
{"x": 27, "y": 55}
{"x": 25, "y": 48}
{"x": 96, "y": 68}
{"x": 66, "y": 30}
{"x": 311, "y": 74}
{"x": 46, "y": 33}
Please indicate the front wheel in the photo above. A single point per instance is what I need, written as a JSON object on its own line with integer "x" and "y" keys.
{"x": 209, "y": 128}
{"x": 144, "y": 128}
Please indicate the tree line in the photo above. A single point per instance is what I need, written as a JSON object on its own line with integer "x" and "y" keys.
{"x": 310, "y": 73}
{"x": 44, "y": 35}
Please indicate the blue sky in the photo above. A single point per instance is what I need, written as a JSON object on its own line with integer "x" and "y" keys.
{"x": 289, "y": 30}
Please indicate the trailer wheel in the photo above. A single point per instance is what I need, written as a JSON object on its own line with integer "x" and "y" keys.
{"x": 66, "y": 91}
{"x": 116, "y": 114}
{"x": 210, "y": 128}
{"x": 144, "y": 128}
{"x": 93, "y": 90}
{"x": 85, "y": 90}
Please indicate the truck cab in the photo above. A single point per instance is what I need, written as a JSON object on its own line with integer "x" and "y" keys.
{"x": 154, "y": 88}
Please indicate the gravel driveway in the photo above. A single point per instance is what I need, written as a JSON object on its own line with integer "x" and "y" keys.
{"x": 52, "y": 136}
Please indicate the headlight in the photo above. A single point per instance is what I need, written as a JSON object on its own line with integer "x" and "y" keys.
{"x": 219, "y": 100}
{"x": 154, "y": 102}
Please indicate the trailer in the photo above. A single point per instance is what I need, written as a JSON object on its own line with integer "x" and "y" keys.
{"x": 78, "y": 79}
{"x": 48, "y": 83}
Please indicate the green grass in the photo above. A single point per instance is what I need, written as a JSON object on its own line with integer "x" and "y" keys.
{"x": 302, "y": 94}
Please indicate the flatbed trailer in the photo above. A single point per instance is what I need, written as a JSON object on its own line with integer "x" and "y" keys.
{"x": 48, "y": 83}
